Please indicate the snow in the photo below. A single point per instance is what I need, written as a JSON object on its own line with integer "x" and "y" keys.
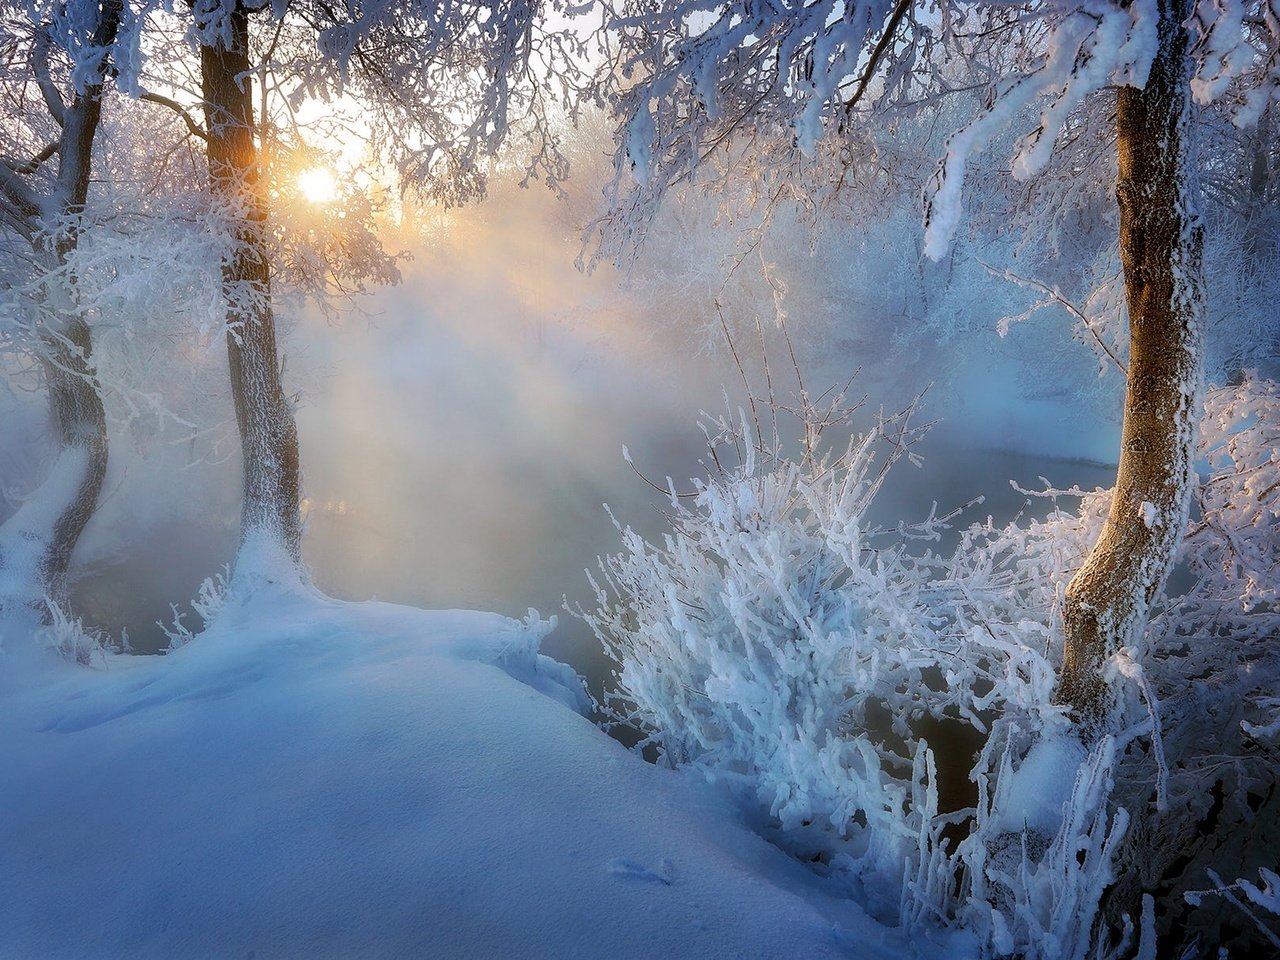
{"x": 1042, "y": 785}
{"x": 1265, "y": 895}
{"x": 25, "y": 536}
{"x": 1150, "y": 514}
{"x": 311, "y": 778}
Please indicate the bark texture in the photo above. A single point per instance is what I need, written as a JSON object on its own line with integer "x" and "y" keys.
{"x": 81, "y": 420}
{"x": 73, "y": 390}
{"x": 67, "y": 341}
{"x": 1108, "y": 601}
{"x": 264, "y": 415}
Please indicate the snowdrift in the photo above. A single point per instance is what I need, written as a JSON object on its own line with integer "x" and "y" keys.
{"x": 312, "y": 778}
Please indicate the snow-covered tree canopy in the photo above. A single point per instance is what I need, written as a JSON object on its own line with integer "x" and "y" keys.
{"x": 430, "y": 90}
{"x": 123, "y": 252}
{"x": 693, "y": 77}
{"x": 414, "y": 92}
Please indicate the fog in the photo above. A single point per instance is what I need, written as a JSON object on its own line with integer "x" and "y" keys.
{"x": 461, "y": 432}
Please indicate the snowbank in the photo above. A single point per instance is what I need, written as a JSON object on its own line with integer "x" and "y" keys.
{"x": 319, "y": 779}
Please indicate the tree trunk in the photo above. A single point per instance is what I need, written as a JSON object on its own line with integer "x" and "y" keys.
{"x": 268, "y": 432}
{"x": 82, "y": 426}
{"x": 1259, "y": 182}
{"x": 73, "y": 390}
{"x": 43, "y": 539}
{"x": 1108, "y": 600}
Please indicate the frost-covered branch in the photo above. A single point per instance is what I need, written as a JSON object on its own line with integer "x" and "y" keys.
{"x": 824, "y": 670}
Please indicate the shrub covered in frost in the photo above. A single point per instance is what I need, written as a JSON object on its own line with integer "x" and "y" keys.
{"x": 768, "y": 624}
{"x": 69, "y": 638}
{"x": 207, "y": 602}
{"x": 1259, "y": 901}
{"x": 777, "y": 643}
{"x": 1212, "y": 668}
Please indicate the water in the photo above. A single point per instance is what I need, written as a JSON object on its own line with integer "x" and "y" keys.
{"x": 516, "y": 545}
{"x": 530, "y": 548}
{"x": 458, "y": 447}
{"x": 502, "y": 545}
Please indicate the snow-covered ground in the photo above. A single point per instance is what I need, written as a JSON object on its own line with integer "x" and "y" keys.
{"x": 311, "y": 778}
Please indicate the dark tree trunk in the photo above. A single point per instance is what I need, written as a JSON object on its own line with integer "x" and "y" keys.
{"x": 73, "y": 390}
{"x": 1259, "y": 181}
{"x": 1108, "y": 601}
{"x": 67, "y": 342}
{"x": 264, "y": 415}
{"x": 82, "y": 425}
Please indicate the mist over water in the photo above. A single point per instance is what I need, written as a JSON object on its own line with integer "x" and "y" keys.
{"x": 459, "y": 441}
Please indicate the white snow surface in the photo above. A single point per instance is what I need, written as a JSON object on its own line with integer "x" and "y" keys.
{"x": 1042, "y": 785}
{"x": 1150, "y": 514}
{"x": 26, "y": 534}
{"x": 315, "y": 779}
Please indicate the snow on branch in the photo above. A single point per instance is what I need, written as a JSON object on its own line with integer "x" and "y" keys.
{"x": 823, "y": 669}
{"x": 692, "y": 79}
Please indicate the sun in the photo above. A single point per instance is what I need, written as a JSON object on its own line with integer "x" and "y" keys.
{"x": 318, "y": 185}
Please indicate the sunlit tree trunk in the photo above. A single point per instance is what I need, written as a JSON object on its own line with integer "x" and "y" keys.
{"x": 43, "y": 537}
{"x": 264, "y": 415}
{"x": 1108, "y": 601}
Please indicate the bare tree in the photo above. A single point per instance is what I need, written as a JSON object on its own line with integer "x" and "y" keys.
{"x": 268, "y": 432}
{"x": 1161, "y": 241}
{"x": 45, "y": 210}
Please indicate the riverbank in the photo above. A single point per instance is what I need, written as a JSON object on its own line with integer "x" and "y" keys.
{"x": 313, "y": 778}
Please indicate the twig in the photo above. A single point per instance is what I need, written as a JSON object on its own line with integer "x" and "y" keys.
{"x": 1056, "y": 296}
{"x": 195, "y": 129}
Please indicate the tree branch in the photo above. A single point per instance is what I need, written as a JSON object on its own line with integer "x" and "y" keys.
{"x": 26, "y": 167}
{"x": 48, "y": 89}
{"x": 877, "y": 53}
{"x": 1056, "y": 296}
{"x": 17, "y": 196}
{"x": 194, "y": 128}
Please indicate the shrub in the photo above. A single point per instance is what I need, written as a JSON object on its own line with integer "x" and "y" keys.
{"x": 777, "y": 643}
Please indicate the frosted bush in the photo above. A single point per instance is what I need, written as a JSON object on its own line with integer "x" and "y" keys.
{"x": 1259, "y": 901}
{"x": 767, "y": 624}
{"x": 68, "y": 637}
{"x": 1212, "y": 664}
{"x": 1236, "y": 540}
{"x": 211, "y": 595}
{"x": 207, "y": 602}
{"x": 775, "y": 642}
